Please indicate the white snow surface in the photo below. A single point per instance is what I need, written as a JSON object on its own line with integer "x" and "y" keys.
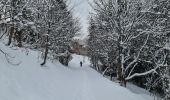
{"x": 30, "y": 81}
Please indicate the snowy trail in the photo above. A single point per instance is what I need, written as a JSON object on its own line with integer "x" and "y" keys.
{"x": 30, "y": 81}
{"x": 95, "y": 87}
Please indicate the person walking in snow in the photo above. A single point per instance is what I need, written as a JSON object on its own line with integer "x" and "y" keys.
{"x": 81, "y": 63}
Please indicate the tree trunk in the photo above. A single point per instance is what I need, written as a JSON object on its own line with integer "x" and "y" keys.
{"x": 119, "y": 31}
{"x": 124, "y": 81}
{"x": 10, "y": 36}
{"x": 119, "y": 72}
{"x": 19, "y": 38}
{"x": 46, "y": 52}
{"x": 12, "y": 27}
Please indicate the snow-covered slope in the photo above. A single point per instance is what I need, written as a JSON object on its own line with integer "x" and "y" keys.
{"x": 30, "y": 81}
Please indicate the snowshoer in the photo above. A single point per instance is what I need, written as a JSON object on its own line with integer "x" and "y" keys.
{"x": 81, "y": 63}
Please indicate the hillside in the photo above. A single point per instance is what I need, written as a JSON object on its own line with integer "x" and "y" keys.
{"x": 30, "y": 81}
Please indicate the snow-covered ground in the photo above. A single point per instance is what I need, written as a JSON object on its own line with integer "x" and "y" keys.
{"x": 30, "y": 81}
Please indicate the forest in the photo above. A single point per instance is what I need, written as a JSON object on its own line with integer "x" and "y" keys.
{"x": 129, "y": 40}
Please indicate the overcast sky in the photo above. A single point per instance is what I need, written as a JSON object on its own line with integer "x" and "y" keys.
{"x": 81, "y": 10}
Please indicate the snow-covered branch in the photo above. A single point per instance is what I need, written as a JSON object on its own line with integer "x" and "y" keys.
{"x": 138, "y": 54}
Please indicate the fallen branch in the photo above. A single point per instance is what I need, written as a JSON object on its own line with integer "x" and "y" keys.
{"x": 8, "y": 57}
